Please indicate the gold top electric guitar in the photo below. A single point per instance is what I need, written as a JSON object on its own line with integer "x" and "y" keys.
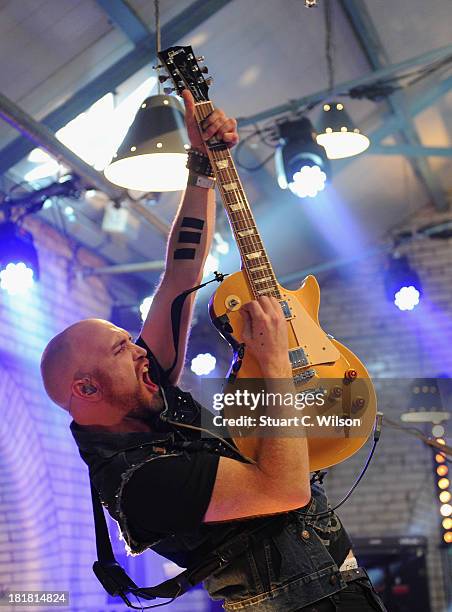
{"x": 318, "y": 360}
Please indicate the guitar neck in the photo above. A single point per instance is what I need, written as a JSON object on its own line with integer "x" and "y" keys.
{"x": 255, "y": 262}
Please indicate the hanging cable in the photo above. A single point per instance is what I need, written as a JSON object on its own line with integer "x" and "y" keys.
{"x": 157, "y": 38}
{"x": 328, "y": 44}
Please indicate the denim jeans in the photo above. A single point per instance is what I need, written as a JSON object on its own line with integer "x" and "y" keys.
{"x": 285, "y": 571}
{"x": 358, "y": 596}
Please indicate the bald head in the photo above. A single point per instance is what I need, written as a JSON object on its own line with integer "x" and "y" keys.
{"x": 72, "y": 353}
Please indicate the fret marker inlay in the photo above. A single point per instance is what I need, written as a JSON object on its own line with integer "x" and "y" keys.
{"x": 248, "y": 232}
{"x": 230, "y": 186}
{"x": 262, "y": 280}
{"x": 222, "y": 164}
{"x": 258, "y": 268}
{"x": 255, "y": 255}
{"x": 238, "y": 206}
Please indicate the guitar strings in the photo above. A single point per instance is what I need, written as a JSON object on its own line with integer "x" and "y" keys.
{"x": 249, "y": 241}
{"x": 242, "y": 218}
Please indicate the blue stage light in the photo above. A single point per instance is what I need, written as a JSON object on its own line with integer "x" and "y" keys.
{"x": 203, "y": 364}
{"x": 145, "y": 306}
{"x": 308, "y": 181}
{"x": 402, "y": 283}
{"x": 407, "y": 298}
{"x": 19, "y": 266}
{"x": 301, "y": 164}
{"x": 16, "y": 278}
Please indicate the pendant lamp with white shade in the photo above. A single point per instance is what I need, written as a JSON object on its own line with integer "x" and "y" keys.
{"x": 338, "y": 134}
{"x": 336, "y": 131}
{"x": 153, "y": 154}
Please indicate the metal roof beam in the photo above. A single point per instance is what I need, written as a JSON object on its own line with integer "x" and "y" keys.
{"x": 319, "y": 96}
{"x": 125, "y": 19}
{"x": 359, "y": 18}
{"x": 422, "y": 102}
{"x": 39, "y": 135}
{"x": 132, "y": 62}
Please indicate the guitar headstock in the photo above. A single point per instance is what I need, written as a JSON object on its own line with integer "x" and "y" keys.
{"x": 185, "y": 72}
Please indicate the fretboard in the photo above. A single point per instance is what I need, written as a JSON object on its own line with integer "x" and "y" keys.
{"x": 254, "y": 258}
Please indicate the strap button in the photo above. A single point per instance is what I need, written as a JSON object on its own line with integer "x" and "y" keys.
{"x": 305, "y": 534}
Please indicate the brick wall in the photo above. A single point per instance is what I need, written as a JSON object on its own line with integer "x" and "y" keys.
{"x": 46, "y": 537}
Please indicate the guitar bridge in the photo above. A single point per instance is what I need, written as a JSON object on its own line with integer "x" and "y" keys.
{"x": 302, "y": 377}
{"x": 298, "y": 358}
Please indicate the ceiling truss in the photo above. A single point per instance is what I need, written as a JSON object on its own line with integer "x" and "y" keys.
{"x": 142, "y": 55}
{"x": 369, "y": 41}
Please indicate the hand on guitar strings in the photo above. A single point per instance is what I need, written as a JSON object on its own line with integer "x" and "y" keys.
{"x": 265, "y": 335}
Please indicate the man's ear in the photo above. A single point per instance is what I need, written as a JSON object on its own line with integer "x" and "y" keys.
{"x": 86, "y": 390}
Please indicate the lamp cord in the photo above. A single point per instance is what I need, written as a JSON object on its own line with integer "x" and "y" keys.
{"x": 328, "y": 44}
{"x": 157, "y": 37}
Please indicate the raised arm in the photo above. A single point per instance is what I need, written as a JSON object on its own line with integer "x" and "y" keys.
{"x": 188, "y": 246}
{"x": 279, "y": 481}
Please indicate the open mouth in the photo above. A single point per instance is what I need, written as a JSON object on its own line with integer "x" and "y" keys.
{"x": 145, "y": 377}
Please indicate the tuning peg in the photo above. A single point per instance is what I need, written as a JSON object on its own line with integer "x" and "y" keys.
{"x": 157, "y": 67}
{"x": 168, "y": 90}
{"x": 204, "y": 70}
{"x": 163, "y": 78}
{"x": 209, "y": 81}
{"x": 201, "y": 58}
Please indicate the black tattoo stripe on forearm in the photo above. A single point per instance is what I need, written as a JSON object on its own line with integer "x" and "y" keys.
{"x": 193, "y": 223}
{"x": 184, "y": 253}
{"x": 193, "y": 237}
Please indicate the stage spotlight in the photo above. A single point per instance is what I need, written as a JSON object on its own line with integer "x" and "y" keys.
{"x": 301, "y": 164}
{"x": 443, "y": 483}
{"x": 402, "y": 283}
{"x": 445, "y": 497}
{"x": 212, "y": 265}
{"x": 444, "y": 494}
{"x": 442, "y": 470}
{"x": 446, "y": 510}
{"x": 18, "y": 259}
{"x": 145, "y": 306}
{"x": 203, "y": 364}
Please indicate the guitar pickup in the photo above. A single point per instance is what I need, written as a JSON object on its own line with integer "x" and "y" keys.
{"x": 298, "y": 358}
{"x": 286, "y": 309}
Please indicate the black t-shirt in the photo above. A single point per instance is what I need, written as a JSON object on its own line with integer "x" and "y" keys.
{"x": 170, "y": 494}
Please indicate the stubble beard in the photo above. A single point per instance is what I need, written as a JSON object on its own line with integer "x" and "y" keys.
{"x": 137, "y": 404}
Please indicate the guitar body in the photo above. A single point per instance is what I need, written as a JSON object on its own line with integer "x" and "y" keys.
{"x": 327, "y": 358}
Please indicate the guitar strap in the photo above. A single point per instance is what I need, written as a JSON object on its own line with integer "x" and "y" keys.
{"x": 176, "y": 313}
{"x": 116, "y": 582}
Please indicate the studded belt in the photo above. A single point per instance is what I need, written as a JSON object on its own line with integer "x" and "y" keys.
{"x": 354, "y": 574}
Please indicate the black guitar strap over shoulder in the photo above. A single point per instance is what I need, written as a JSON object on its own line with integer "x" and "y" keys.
{"x": 117, "y": 583}
{"x": 114, "y": 578}
{"x": 176, "y": 314}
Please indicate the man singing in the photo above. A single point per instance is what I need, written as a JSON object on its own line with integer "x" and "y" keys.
{"x": 167, "y": 487}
